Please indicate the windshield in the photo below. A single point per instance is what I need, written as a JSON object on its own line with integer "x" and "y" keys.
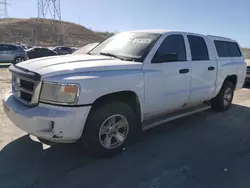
{"x": 127, "y": 45}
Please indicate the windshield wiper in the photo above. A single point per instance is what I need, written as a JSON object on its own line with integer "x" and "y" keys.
{"x": 112, "y": 55}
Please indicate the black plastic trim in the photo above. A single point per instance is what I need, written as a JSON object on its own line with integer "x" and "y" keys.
{"x": 24, "y": 72}
{"x": 79, "y": 105}
{"x": 183, "y": 71}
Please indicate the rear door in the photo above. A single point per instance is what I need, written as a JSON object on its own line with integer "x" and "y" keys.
{"x": 204, "y": 69}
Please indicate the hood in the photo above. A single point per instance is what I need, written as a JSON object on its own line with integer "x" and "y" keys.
{"x": 66, "y": 64}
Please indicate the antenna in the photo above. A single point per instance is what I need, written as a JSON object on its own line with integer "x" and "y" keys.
{"x": 51, "y": 9}
{"x": 3, "y": 9}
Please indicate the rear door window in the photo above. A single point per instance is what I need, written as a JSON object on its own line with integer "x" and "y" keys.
{"x": 12, "y": 48}
{"x": 198, "y": 48}
{"x": 44, "y": 50}
{"x": 65, "y": 49}
{"x": 47, "y": 51}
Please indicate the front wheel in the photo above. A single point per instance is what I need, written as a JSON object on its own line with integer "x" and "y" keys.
{"x": 109, "y": 128}
{"x": 224, "y": 98}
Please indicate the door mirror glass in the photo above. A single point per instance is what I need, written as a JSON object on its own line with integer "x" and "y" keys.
{"x": 165, "y": 58}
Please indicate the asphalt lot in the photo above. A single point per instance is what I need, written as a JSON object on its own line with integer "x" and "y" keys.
{"x": 206, "y": 150}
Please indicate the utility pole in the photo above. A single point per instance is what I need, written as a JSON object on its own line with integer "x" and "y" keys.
{"x": 3, "y": 9}
{"x": 51, "y": 9}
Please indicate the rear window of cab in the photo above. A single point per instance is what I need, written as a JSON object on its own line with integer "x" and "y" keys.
{"x": 227, "y": 49}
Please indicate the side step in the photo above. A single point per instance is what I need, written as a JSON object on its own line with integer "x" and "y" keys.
{"x": 158, "y": 120}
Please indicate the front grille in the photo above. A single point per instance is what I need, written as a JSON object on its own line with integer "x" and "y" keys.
{"x": 25, "y": 89}
{"x": 26, "y": 96}
{"x": 27, "y": 85}
{"x": 248, "y": 70}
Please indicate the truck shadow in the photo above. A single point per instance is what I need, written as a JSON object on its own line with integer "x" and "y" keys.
{"x": 171, "y": 155}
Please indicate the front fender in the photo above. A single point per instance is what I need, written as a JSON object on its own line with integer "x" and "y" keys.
{"x": 96, "y": 84}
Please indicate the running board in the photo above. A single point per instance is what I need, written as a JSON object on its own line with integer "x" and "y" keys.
{"x": 148, "y": 124}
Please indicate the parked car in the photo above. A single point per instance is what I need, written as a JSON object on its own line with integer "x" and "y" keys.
{"x": 74, "y": 49}
{"x": 23, "y": 46}
{"x": 11, "y": 53}
{"x": 26, "y": 47}
{"x": 129, "y": 83}
{"x": 37, "y": 52}
{"x": 62, "y": 50}
{"x": 29, "y": 46}
{"x": 87, "y": 48}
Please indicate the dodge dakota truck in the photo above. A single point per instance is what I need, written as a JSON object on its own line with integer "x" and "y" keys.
{"x": 131, "y": 82}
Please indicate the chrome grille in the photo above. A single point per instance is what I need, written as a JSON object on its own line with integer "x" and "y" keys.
{"x": 25, "y": 89}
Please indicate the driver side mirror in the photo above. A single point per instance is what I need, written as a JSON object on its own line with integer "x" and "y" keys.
{"x": 162, "y": 58}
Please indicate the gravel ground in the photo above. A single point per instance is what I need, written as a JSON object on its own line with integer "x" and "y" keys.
{"x": 208, "y": 150}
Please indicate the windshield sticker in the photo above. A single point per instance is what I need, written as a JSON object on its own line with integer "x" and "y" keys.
{"x": 145, "y": 41}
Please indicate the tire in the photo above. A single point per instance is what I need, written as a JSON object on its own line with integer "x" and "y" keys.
{"x": 98, "y": 137}
{"x": 19, "y": 59}
{"x": 219, "y": 103}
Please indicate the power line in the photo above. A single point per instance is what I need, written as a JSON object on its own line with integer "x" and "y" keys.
{"x": 3, "y": 9}
{"x": 51, "y": 9}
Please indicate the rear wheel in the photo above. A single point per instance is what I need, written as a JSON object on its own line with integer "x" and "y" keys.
{"x": 224, "y": 98}
{"x": 109, "y": 128}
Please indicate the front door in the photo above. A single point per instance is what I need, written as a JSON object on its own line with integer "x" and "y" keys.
{"x": 167, "y": 76}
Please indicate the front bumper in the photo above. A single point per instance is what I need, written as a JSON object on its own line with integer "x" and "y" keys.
{"x": 49, "y": 122}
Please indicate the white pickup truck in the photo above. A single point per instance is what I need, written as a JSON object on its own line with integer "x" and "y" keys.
{"x": 129, "y": 83}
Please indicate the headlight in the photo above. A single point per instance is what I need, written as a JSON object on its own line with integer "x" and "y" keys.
{"x": 59, "y": 93}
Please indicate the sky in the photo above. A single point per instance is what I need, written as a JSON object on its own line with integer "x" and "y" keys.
{"x": 227, "y": 18}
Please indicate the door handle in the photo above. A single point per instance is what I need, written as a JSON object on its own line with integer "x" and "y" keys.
{"x": 183, "y": 71}
{"x": 211, "y": 68}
